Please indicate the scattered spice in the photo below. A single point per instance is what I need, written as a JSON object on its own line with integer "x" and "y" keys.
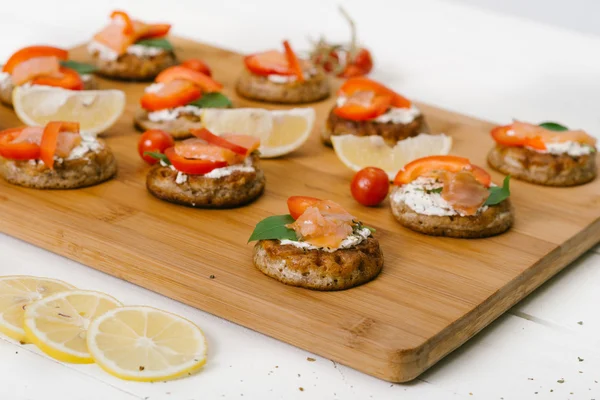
{"x": 529, "y": 379}
{"x": 310, "y": 359}
{"x": 551, "y": 390}
{"x": 64, "y": 315}
{"x": 142, "y": 368}
{"x": 212, "y": 277}
{"x": 580, "y": 322}
{"x": 301, "y": 389}
{"x": 561, "y": 381}
{"x": 579, "y": 359}
{"x": 535, "y": 392}
{"x": 21, "y": 342}
{"x": 298, "y": 375}
{"x": 581, "y": 372}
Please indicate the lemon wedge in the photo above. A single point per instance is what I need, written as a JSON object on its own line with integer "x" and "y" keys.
{"x": 16, "y": 293}
{"x": 280, "y": 131}
{"x": 145, "y": 344}
{"x": 358, "y": 152}
{"x": 95, "y": 110}
{"x": 58, "y": 324}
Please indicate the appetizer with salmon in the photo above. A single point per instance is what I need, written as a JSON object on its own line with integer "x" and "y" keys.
{"x": 365, "y": 107}
{"x": 131, "y": 50}
{"x": 281, "y": 77}
{"x": 206, "y": 171}
{"x": 546, "y": 154}
{"x": 57, "y": 156}
{"x": 44, "y": 66}
{"x": 174, "y": 102}
{"x": 318, "y": 245}
{"x": 449, "y": 196}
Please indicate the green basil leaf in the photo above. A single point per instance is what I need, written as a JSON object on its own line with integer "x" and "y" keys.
{"x": 554, "y": 126}
{"x": 371, "y": 229}
{"x": 158, "y": 156}
{"x": 81, "y": 68}
{"x": 212, "y": 100}
{"x": 161, "y": 43}
{"x": 274, "y": 227}
{"x": 498, "y": 194}
{"x": 436, "y": 190}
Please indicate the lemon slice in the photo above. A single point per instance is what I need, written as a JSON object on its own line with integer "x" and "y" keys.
{"x": 280, "y": 131}
{"x": 146, "y": 344}
{"x": 95, "y": 110}
{"x": 358, "y": 152}
{"x": 58, "y": 324}
{"x": 16, "y": 293}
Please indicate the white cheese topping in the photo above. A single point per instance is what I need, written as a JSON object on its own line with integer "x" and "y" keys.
{"x": 88, "y": 143}
{"x": 108, "y": 54}
{"x": 571, "y": 148}
{"x": 181, "y": 178}
{"x": 352, "y": 240}
{"x": 144, "y": 51}
{"x": 4, "y": 79}
{"x": 417, "y": 197}
{"x": 171, "y": 114}
{"x": 291, "y": 78}
{"x": 394, "y": 115}
{"x": 154, "y": 88}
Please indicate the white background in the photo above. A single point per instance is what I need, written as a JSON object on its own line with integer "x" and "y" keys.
{"x": 483, "y": 63}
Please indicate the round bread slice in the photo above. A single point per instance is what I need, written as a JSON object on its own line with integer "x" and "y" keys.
{"x": 91, "y": 169}
{"x": 390, "y": 132}
{"x": 257, "y": 87}
{"x": 234, "y": 190}
{"x": 543, "y": 168}
{"x": 134, "y": 68}
{"x": 179, "y": 128}
{"x": 89, "y": 83}
{"x": 318, "y": 269}
{"x": 493, "y": 221}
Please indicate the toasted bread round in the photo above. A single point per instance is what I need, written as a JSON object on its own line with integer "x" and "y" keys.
{"x": 89, "y": 83}
{"x": 318, "y": 269}
{"x": 542, "y": 168}
{"x": 134, "y": 68}
{"x": 228, "y": 191}
{"x": 91, "y": 169}
{"x": 179, "y": 128}
{"x": 493, "y": 221}
{"x": 390, "y": 132}
{"x": 257, "y": 87}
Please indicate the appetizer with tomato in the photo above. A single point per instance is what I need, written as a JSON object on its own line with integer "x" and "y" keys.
{"x": 57, "y": 156}
{"x": 365, "y": 107}
{"x": 318, "y": 245}
{"x": 546, "y": 154}
{"x": 282, "y": 77}
{"x": 449, "y": 196}
{"x": 44, "y": 66}
{"x": 130, "y": 49}
{"x": 175, "y": 100}
{"x": 206, "y": 171}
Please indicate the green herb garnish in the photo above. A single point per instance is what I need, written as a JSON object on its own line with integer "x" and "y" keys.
{"x": 81, "y": 68}
{"x": 498, "y": 194}
{"x": 436, "y": 190}
{"x": 212, "y": 100}
{"x": 554, "y": 126}
{"x": 160, "y": 43}
{"x": 358, "y": 226}
{"x": 158, "y": 156}
{"x": 274, "y": 227}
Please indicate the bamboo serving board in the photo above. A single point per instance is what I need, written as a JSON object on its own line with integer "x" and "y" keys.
{"x": 432, "y": 296}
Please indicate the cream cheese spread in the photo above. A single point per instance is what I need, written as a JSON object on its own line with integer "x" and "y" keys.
{"x": 356, "y": 238}
{"x": 290, "y": 78}
{"x": 171, "y": 114}
{"x": 108, "y": 54}
{"x": 4, "y": 79}
{"x": 574, "y": 149}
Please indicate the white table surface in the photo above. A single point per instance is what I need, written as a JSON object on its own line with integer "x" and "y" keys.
{"x": 487, "y": 65}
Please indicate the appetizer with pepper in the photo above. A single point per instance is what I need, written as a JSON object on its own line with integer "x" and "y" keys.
{"x": 57, "y": 156}
{"x": 365, "y": 108}
{"x": 174, "y": 102}
{"x": 281, "y": 77}
{"x": 546, "y": 154}
{"x": 130, "y": 49}
{"x": 449, "y": 196}
{"x": 44, "y": 66}
{"x": 318, "y": 245}
{"x": 206, "y": 171}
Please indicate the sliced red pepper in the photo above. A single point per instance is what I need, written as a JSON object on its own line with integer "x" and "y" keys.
{"x": 174, "y": 94}
{"x": 268, "y": 63}
{"x": 17, "y": 151}
{"x": 157, "y": 31}
{"x": 359, "y": 111}
{"x": 128, "y": 28}
{"x": 197, "y": 65}
{"x": 70, "y": 79}
{"x": 192, "y": 166}
{"x": 211, "y": 138}
{"x": 361, "y": 83}
{"x": 293, "y": 62}
{"x": 50, "y": 139}
{"x": 27, "y": 53}
{"x": 298, "y": 204}
{"x": 178, "y": 72}
{"x": 422, "y": 166}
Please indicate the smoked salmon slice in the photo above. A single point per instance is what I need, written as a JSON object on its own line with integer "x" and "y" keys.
{"x": 66, "y": 141}
{"x": 463, "y": 192}
{"x": 34, "y": 68}
{"x": 198, "y": 149}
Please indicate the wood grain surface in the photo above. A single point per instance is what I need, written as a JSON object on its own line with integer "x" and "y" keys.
{"x": 432, "y": 296}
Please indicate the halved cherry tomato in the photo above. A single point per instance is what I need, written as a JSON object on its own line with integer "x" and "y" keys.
{"x": 361, "y": 84}
{"x": 70, "y": 79}
{"x": 360, "y": 111}
{"x": 174, "y": 94}
{"x": 27, "y": 53}
{"x": 370, "y": 186}
{"x": 361, "y": 65}
{"x": 178, "y": 72}
{"x": 421, "y": 166}
{"x": 293, "y": 62}
{"x": 213, "y": 139}
{"x": 197, "y": 65}
{"x": 50, "y": 139}
{"x": 298, "y": 204}
{"x": 157, "y": 31}
{"x": 127, "y": 23}
{"x": 268, "y": 63}
{"x": 17, "y": 151}
{"x": 154, "y": 140}
{"x": 192, "y": 166}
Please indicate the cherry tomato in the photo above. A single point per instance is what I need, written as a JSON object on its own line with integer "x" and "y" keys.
{"x": 197, "y": 65}
{"x": 298, "y": 204}
{"x": 154, "y": 140}
{"x": 370, "y": 186}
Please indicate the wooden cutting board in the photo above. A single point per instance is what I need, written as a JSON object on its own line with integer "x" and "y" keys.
{"x": 432, "y": 296}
